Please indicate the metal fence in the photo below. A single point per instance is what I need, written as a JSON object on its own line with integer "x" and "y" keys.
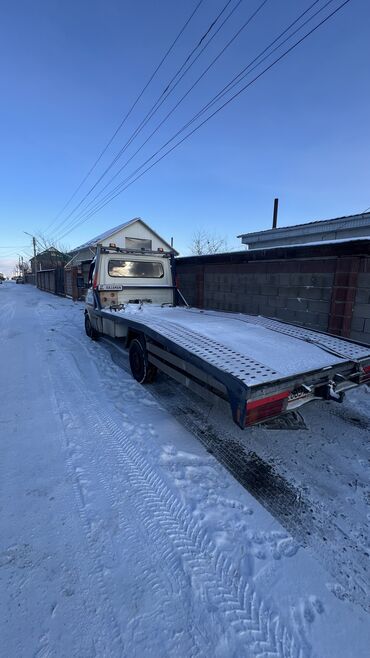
{"x": 51, "y": 280}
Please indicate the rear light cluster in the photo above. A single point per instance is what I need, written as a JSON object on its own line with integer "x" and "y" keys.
{"x": 365, "y": 374}
{"x": 259, "y": 410}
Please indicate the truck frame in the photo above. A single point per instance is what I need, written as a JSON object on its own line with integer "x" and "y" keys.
{"x": 162, "y": 333}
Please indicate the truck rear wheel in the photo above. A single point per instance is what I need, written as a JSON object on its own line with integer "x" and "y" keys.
{"x": 143, "y": 371}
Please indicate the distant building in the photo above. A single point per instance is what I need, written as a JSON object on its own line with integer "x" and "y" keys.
{"x": 134, "y": 234}
{"x": 48, "y": 260}
{"x": 327, "y": 230}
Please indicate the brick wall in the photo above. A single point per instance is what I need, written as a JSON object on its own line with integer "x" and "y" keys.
{"x": 360, "y": 325}
{"x": 323, "y": 288}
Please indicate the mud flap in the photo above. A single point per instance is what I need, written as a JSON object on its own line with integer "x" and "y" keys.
{"x": 238, "y": 404}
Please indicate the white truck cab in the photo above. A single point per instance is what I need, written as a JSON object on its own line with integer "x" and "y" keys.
{"x": 122, "y": 276}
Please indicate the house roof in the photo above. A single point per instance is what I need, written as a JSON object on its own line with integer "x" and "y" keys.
{"x": 50, "y": 251}
{"x": 347, "y": 221}
{"x": 103, "y": 236}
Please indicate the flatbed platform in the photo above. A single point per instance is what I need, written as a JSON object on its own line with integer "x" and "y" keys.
{"x": 253, "y": 349}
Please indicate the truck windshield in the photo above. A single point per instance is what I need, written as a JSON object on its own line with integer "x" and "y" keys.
{"x": 135, "y": 269}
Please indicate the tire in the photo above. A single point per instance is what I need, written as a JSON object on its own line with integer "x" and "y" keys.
{"x": 143, "y": 371}
{"x": 90, "y": 331}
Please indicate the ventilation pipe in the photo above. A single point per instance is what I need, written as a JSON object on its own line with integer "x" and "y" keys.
{"x": 275, "y": 215}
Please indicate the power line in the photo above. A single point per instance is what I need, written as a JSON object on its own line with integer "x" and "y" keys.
{"x": 244, "y": 88}
{"x": 245, "y": 71}
{"x": 130, "y": 110}
{"x": 170, "y": 88}
{"x": 215, "y": 59}
{"x": 160, "y": 100}
{"x": 11, "y": 254}
{"x": 249, "y": 68}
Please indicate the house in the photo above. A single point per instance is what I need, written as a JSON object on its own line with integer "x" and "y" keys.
{"x": 327, "y": 230}
{"x": 48, "y": 259}
{"x": 134, "y": 234}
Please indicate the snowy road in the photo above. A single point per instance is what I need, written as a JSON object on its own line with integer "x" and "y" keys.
{"x": 122, "y": 536}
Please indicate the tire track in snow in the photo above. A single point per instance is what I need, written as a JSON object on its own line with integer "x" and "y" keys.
{"x": 238, "y": 600}
{"x": 6, "y": 315}
{"x": 110, "y": 643}
{"x": 165, "y": 607}
{"x": 234, "y": 601}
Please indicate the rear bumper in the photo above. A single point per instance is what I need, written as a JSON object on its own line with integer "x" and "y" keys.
{"x": 329, "y": 385}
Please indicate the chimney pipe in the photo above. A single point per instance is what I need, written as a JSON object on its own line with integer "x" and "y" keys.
{"x": 274, "y": 219}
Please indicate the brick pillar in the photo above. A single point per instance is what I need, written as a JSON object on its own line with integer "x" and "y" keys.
{"x": 343, "y": 295}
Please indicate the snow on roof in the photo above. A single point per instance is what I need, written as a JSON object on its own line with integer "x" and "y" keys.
{"x": 309, "y": 244}
{"x": 103, "y": 236}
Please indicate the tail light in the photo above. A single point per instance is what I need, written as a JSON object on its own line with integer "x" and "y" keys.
{"x": 259, "y": 410}
{"x": 364, "y": 374}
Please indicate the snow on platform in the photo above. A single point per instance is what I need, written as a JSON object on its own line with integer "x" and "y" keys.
{"x": 121, "y": 535}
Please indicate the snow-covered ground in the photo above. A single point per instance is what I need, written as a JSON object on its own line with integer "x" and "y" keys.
{"x": 125, "y": 534}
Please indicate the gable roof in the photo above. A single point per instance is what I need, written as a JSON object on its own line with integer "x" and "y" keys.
{"x": 103, "y": 236}
{"x": 50, "y": 251}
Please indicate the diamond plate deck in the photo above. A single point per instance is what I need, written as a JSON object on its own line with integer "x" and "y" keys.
{"x": 339, "y": 346}
{"x": 249, "y": 370}
{"x": 244, "y": 368}
{"x": 343, "y": 348}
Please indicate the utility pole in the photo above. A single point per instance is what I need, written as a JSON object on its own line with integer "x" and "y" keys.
{"x": 34, "y": 254}
{"x": 35, "y": 257}
{"x": 21, "y": 265}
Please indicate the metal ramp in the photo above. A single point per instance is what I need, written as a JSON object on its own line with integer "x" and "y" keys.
{"x": 246, "y": 369}
{"x": 338, "y": 346}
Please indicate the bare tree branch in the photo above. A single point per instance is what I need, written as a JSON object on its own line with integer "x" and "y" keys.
{"x": 204, "y": 243}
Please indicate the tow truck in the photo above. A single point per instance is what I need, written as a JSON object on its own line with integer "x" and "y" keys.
{"x": 261, "y": 366}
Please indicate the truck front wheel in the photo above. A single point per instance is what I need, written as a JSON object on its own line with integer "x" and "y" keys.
{"x": 89, "y": 329}
{"x": 143, "y": 371}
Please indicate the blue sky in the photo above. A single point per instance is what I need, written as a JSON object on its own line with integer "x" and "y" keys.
{"x": 70, "y": 71}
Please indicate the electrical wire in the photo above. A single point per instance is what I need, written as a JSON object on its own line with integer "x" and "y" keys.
{"x": 160, "y": 100}
{"x": 246, "y": 71}
{"x": 244, "y": 88}
{"x": 128, "y": 113}
{"x": 214, "y": 60}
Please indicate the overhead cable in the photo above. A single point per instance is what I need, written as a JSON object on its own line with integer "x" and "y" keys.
{"x": 128, "y": 113}
{"x": 135, "y": 177}
{"x": 171, "y": 85}
{"x": 214, "y": 60}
